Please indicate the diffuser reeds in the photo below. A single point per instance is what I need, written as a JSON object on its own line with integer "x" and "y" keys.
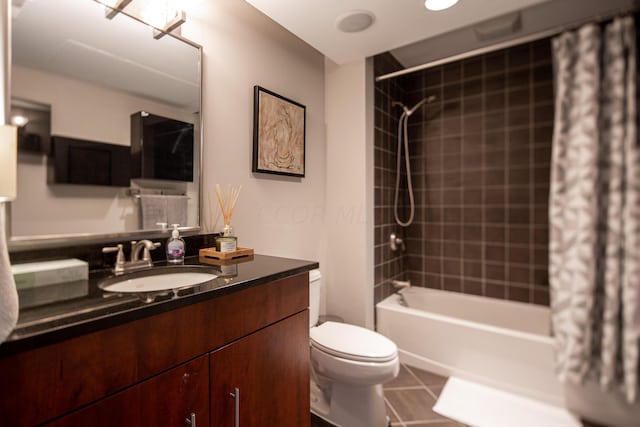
{"x": 227, "y": 202}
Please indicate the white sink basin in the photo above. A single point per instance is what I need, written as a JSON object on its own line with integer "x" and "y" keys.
{"x": 158, "y": 282}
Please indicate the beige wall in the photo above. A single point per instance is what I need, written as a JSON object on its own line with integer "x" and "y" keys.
{"x": 242, "y": 48}
{"x": 349, "y": 208}
{"x": 326, "y": 216}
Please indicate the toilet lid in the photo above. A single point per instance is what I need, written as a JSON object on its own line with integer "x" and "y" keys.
{"x": 352, "y": 342}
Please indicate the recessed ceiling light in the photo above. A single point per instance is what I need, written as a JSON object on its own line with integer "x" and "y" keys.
{"x": 439, "y": 4}
{"x": 355, "y": 21}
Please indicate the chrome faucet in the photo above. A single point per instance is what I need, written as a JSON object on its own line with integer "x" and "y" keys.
{"x": 122, "y": 266}
{"x": 136, "y": 247}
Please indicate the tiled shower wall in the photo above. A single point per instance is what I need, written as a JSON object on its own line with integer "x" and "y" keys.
{"x": 480, "y": 155}
{"x": 388, "y": 264}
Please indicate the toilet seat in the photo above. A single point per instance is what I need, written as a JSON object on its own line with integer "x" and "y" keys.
{"x": 352, "y": 342}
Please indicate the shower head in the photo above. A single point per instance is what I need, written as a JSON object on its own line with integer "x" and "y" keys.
{"x": 428, "y": 99}
{"x": 409, "y": 111}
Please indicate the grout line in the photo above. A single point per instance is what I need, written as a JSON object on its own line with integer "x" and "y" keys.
{"x": 414, "y": 375}
{"x": 429, "y": 421}
{"x": 411, "y": 387}
{"x": 431, "y": 393}
{"x": 394, "y": 411}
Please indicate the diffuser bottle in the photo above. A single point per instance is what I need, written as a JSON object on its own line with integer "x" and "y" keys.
{"x": 175, "y": 247}
{"x": 227, "y": 242}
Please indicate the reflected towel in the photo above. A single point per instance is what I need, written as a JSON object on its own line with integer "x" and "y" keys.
{"x": 177, "y": 210}
{"x": 153, "y": 209}
{"x": 8, "y": 291}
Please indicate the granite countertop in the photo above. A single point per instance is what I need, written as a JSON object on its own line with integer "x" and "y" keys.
{"x": 98, "y": 309}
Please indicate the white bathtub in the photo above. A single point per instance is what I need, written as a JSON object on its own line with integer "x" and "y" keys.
{"x": 502, "y": 344}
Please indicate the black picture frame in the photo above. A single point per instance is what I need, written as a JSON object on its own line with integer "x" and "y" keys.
{"x": 279, "y": 134}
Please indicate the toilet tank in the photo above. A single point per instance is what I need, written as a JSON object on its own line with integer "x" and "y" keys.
{"x": 315, "y": 280}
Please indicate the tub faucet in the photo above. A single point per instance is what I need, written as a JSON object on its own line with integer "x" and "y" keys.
{"x": 396, "y": 243}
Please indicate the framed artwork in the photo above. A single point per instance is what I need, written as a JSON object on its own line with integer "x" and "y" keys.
{"x": 278, "y": 134}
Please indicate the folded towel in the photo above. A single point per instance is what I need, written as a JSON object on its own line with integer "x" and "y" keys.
{"x": 177, "y": 210}
{"x": 8, "y": 291}
{"x": 153, "y": 209}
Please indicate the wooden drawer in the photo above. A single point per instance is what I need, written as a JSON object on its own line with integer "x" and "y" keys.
{"x": 167, "y": 399}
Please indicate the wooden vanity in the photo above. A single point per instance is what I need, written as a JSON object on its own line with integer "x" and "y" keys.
{"x": 240, "y": 358}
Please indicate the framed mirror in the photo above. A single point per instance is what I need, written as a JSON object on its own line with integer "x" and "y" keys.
{"x": 97, "y": 78}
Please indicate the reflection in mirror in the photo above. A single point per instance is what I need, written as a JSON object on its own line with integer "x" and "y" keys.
{"x": 91, "y": 75}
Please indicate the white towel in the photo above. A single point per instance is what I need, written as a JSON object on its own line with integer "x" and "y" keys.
{"x": 177, "y": 210}
{"x": 153, "y": 209}
{"x": 8, "y": 291}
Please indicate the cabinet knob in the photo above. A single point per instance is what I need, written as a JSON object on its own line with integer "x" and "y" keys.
{"x": 191, "y": 420}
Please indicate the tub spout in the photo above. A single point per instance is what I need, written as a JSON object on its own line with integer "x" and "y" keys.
{"x": 400, "y": 284}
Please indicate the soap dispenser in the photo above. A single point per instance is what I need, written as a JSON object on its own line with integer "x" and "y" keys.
{"x": 175, "y": 247}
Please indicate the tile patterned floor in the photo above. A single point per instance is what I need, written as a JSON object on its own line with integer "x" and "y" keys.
{"x": 409, "y": 406}
{"x": 411, "y": 396}
{"x": 409, "y": 400}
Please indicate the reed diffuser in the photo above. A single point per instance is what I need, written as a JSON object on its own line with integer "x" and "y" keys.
{"x": 227, "y": 201}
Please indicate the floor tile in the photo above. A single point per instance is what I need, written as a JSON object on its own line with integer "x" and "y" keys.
{"x": 390, "y": 413}
{"x": 412, "y": 404}
{"x": 427, "y": 378}
{"x": 436, "y": 389}
{"x": 404, "y": 379}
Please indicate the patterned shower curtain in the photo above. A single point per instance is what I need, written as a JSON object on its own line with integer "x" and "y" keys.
{"x": 594, "y": 212}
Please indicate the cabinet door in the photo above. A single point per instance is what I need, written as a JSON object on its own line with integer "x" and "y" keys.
{"x": 264, "y": 376}
{"x": 167, "y": 399}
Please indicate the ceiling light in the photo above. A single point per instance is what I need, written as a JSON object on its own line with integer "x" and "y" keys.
{"x": 355, "y": 21}
{"x": 439, "y": 4}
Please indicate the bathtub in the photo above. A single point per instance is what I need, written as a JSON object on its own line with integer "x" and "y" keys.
{"x": 502, "y": 344}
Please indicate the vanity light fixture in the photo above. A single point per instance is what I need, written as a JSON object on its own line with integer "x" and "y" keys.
{"x": 178, "y": 20}
{"x": 8, "y": 162}
{"x": 436, "y": 5}
{"x": 114, "y": 9}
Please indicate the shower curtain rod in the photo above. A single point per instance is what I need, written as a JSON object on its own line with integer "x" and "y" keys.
{"x": 503, "y": 45}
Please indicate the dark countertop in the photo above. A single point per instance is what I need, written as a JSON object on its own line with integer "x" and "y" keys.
{"x": 98, "y": 309}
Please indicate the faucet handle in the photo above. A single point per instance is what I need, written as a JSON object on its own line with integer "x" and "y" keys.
{"x": 119, "y": 248}
{"x": 146, "y": 255}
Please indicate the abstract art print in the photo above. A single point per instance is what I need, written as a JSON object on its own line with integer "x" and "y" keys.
{"x": 278, "y": 134}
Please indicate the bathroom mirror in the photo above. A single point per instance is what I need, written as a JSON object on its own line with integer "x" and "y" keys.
{"x": 94, "y": 73}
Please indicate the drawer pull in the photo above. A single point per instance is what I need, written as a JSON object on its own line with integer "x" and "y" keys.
{"x": 191, "y": 420}
{"x": 236, "y": 412}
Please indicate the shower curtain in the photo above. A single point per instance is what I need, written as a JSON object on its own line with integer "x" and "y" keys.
{"x": 594, "y": 214}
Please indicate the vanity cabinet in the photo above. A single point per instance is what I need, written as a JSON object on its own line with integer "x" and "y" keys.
{"x": 157, "y": 369}
{"x": 263, "y": 379}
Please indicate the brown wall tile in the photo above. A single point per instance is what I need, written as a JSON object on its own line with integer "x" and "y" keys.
{"x": 480, "y": 157}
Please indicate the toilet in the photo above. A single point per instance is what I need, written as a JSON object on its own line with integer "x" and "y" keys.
{"x": 349, "y": 364}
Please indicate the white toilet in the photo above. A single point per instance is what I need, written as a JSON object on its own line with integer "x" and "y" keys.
{"x": 349, "y": 364}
